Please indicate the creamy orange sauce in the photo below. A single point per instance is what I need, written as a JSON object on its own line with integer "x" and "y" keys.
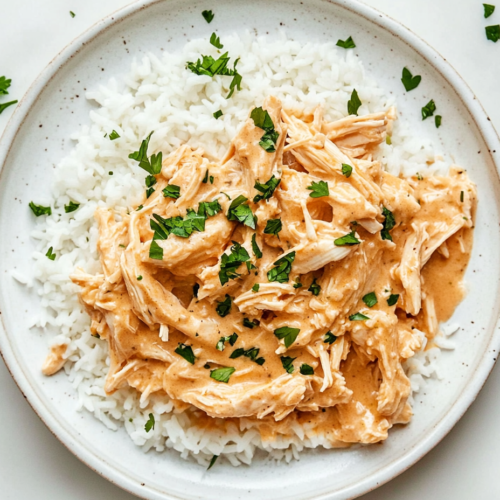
{"x": 146, "y": 309}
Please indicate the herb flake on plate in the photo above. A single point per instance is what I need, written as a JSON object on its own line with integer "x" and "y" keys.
{"x": 347, "y": 240}
{"x": 409, "y": 81}
{"x": 282, "y": 269}
{"x": 186, "y": 351}
{"x": 287, "y": 334}
{"x": 428, "y": 110}
{"x": 353, "y": 104}
{"x": 208, "y": 15}
{"x": 222, "y": 374}
{"x": 488, "y": 10}
{"x": 39, "y": 210}
{"x": 318, "y": 189}
{"x": 346, "y": 44}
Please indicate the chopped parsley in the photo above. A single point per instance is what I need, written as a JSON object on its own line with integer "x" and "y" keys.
{"x": 150, "y": 424}
{"x": 353, "y": 104}
{"x": 428, "y": 109}
{"x": 238, "y": 211}
{"x": 4, "y": 85}
{"x": 319, "y": 189}
{"x": 393, "y": 298}
{"x": 150, "y": 180}
{"x": 347, "y": 240}
{"x": 409, "y": 81}
{"x": 215, "y": 41}
{"x": 370, "y": 299}
{"x": 437, "y": 120}
{"x": 255, "y": 288}
{"x": 208, "y": 15}
{"x": 224, "y": 307}
{"x": 250, "y": 324}
{"x": 255, "y": 247}
{"x": 346, "y": 170}
{"x": 217, "y": 115}
{"x": 358, "y": 317}
{"x": 346, "y": 44}
{"x": 273, "y": 226}
{"x": 263, "y": 120}
{"x": 149, "y": 192}
{"x": 71, "y": 207}
{"x": 5, "y": 105}
{"x": 330, "y": 338}
{"x": 39, "y": 210}
{"x": 139, "y": 278}
{"x": 266, "y": 189}
{"x": 493, "y": 33}
{"x": 140, "y": 207}
{"x": 114, "y": 135}
{"x": 306, "y": 369}
{"x": 488, "y": 10}
{"x": 209, "y": 208}
{"x": 251, "y": 353}
{"x": 388, "y": 140}
{"x": 172, "y": 191}
{"x": 297, "y": 283}
{"x": 151, "y": 165}
{"x": 186, "y": 352}
{"x": 231, "y": 339}
{"x": 287, "y": 363}
{"x": 222, "y": 374}
{"x": 211, "y": 179}
{"x": 281, "y": 272}
{"x": 314, "y": 288}
{"x": 155, "y": 251}
{"x": 215, "y": 457}
{"x": 50, "y": 255}
{"x": 71, "y": 13}
{"x": 388, "y": 224}
{"x": 287, "y": 334}
{"x": 230, "y": 262}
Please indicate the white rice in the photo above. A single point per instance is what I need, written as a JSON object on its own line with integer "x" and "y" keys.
{"x": 161, "y": 95}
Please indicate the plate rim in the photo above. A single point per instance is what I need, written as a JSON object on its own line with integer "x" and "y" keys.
{"x": 470, "y": 390}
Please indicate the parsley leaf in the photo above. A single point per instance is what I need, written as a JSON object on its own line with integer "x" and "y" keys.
{"x": 266, "y": 189}
{"x": 388, "y": 224}
{"x": 215, "y": 41}
{"x": 4, "y": 85}
{"x": 347, "y": 240}
{"x": 305, "y": 369}
{"x": 346, "y": 44}
{"x": 273, "y": 226}
{"x": 150, "y": 424}
{"x": 255, "y": 288}
{"x": 50, "y": 255}
{"x": 250, "y": 324}
{"x": 208, "y": 15}
{"x": 255, "y": 247}
{"x": 217, "y": 115}
{"x": 330, "y": 338}
{"x": 358, "y": 317}
{"x": 288, "y": 334}
{"x": 314, "y": 288}
{"x": 222, "y": 374}
{"x": 493, "y": 33}
{"x": 152, "y": 165}
{"x": 353, "y": 104}
{"x": 114, "y": 135}
{"x": 39, "y": 209}
{"x": 186, "y": 352}
{"x": 231, "y": 339}
{"x": 263, "y": 120}
{"x": 346, "y": 170}
{"x": 437, "y": 120}
{"x": 172, "y": 191}
{"x": 488, "y": 10}
{"x": 287, "y": 361}
{"x": 224, "y": 307}
{"x": 139, "y": 278}
{"x": 229, "y": 263}
{"x": 297, "y": 283}
{"x": 71, "y": 13}
{"x": 319, "y": 189}
{"x": 393, "y": 299}
{"x": 5, "y": 105}
{"x": 281, "y": 272}
{"x": 240, "y": 212}
{"x": 209, "y": 208}
{"x": 409, "y": 81}
{"x": 370, "y": 299}
{"x": 215, "y": 457}
{"x": 155, "y": 251}
{"x": 251, "y": 353}
{"x": 71, "y": 207}
{"x": 428, "y": 109}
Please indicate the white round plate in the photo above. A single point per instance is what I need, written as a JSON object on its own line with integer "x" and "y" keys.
{"x": 37, "y": 137}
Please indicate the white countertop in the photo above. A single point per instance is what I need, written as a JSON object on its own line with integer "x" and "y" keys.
{"x": 34, "y": 465}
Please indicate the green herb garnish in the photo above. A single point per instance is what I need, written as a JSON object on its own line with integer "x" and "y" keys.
{"x": 346, "y": 170}
{"x": 224, "y": 307}
{"x": 50, "y": 255}
{"x": 370, "y": 299}
{"x": 150, "y": 424}
{"x": 71, "y": 207}
{"x": 347, "y": 240}
{"x": 281, "y": 272}
{"x": 255, "y": 288}
{"x": 392, "y": 299}
{"x": 222, "y": 374}
{"x": 140, "y": 207}
{"x": 250, "y": 324}
{"x": 208, "y": 15}
{"x": 437, "y": 120}
{"x": 71, "y": 13}
{"x": 263, "y": 120}
{"x": 388, "y": 224}
{"x": 273, "y": 226}
{"x": 266, "y": 189}
{"x": 409, "y": 81}
{"x": 346, "y": 44}
{"x": 297, "y": 283}
{"x": 215, "y": 41}
{"x": 217, "y": 115}
{"x": 330, "y": 338}
{"x": 229, "y": 263}
{"x": 488, "y": 10}
{"x": 353, "y": 104}
{"x": 314, "y": 288}
{"x": 151, "y": 165}
{"x": 231, "y": 339}
{"x": 287, "y": 363}
{"x": 255, "y": 247}
{"x": 319, "y": 189}
{"x": 172, "y": 191}
{"x": 358, "y": 317}
{"x": 251, "y": 353}
{"x": 155, "y": 251}
{"x": 215, "y": 457}
{"x": 288, "y": 334}
{"x": 4, "y": 85}
{"x": 5, "y": 105}
{"x": 114, "y": 135}
{"x": 306, "y": 369}
{"x": 238, "y": 211}
{"x": 428, "y": 109}
{"x": 39, "y": 210}
{"x": 493, "y": 33}
{"x": 186, "y": 352}
{"x": 139, "y": 278}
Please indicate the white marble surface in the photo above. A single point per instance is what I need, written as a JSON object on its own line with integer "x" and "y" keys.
{"x": 33, "y": 464}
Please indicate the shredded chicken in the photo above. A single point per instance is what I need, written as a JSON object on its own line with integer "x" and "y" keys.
{"x": 325, "y": 342}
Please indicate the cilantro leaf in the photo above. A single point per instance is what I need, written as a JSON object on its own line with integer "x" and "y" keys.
{"x": 263, "y": 120}
{"x": 155, "y": 251}
{"x": 437, "y": 120}
{"x": 346, "y": 170}
{"x": 114, "y": 135}
{"x": 215, "y": 457}
{"x": 388, "y": 224}
{"x": 346, "y": 44}
{"x": 393, "y": 299}
{"x": 251, "y": 353}
{"x": 488, "y": 10}
{"x": 287, "y": 361}
{"x": 50, "y": 255}
{"x": 208, "y": 15}
{"x": 151, "y": 165}
{"x": 172, "y": 191}
{"x": 229, "y": 263}
{"x": 217, "y": 115}
{"x": 4, "y": 85}
{"x": 330, "y": 338}
{"x": 428, "y": 109}
{"x": 222, "y": 374}
{"x": 186, "y": 351}
{"x": 347, "y": 240}
{"x": 150, "y": 424}
{"x": 493, "y": 33}
{"x": 358, "y": 317}
{"x": 306, "y": 369}
{"x": 297, "y": 283}
{"x": 72, "y": 14}
{"x": 242, "y": 213}
{"x": 318, "y": 189}
{"x": 215, "y": 41}
{"x": 250, "y": 324}
{"x": 266, "y": 189}
{"x": 231, "y": 339}
{"x": 255, "y": 247}
{"x": 255, "y": 288}
{"x": 370, "y": 299}
{"x": 273, "y": 226}
{"x": 39, "y": 209}
{"x": 409, "y": 81}
{"x": 288, "y": 334}
{"x": 209, "y": 208}
{"x": 224, "y": 307}
{"x": 314, "y": 288}
{"x": 353, "y": 104}
{"x": 281, "y": 272}
{"x": 71, "y": 207}
{"x": 5, "y": 105}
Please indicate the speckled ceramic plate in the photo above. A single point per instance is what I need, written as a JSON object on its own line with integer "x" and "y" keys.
{"x": 37, "y": 138}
